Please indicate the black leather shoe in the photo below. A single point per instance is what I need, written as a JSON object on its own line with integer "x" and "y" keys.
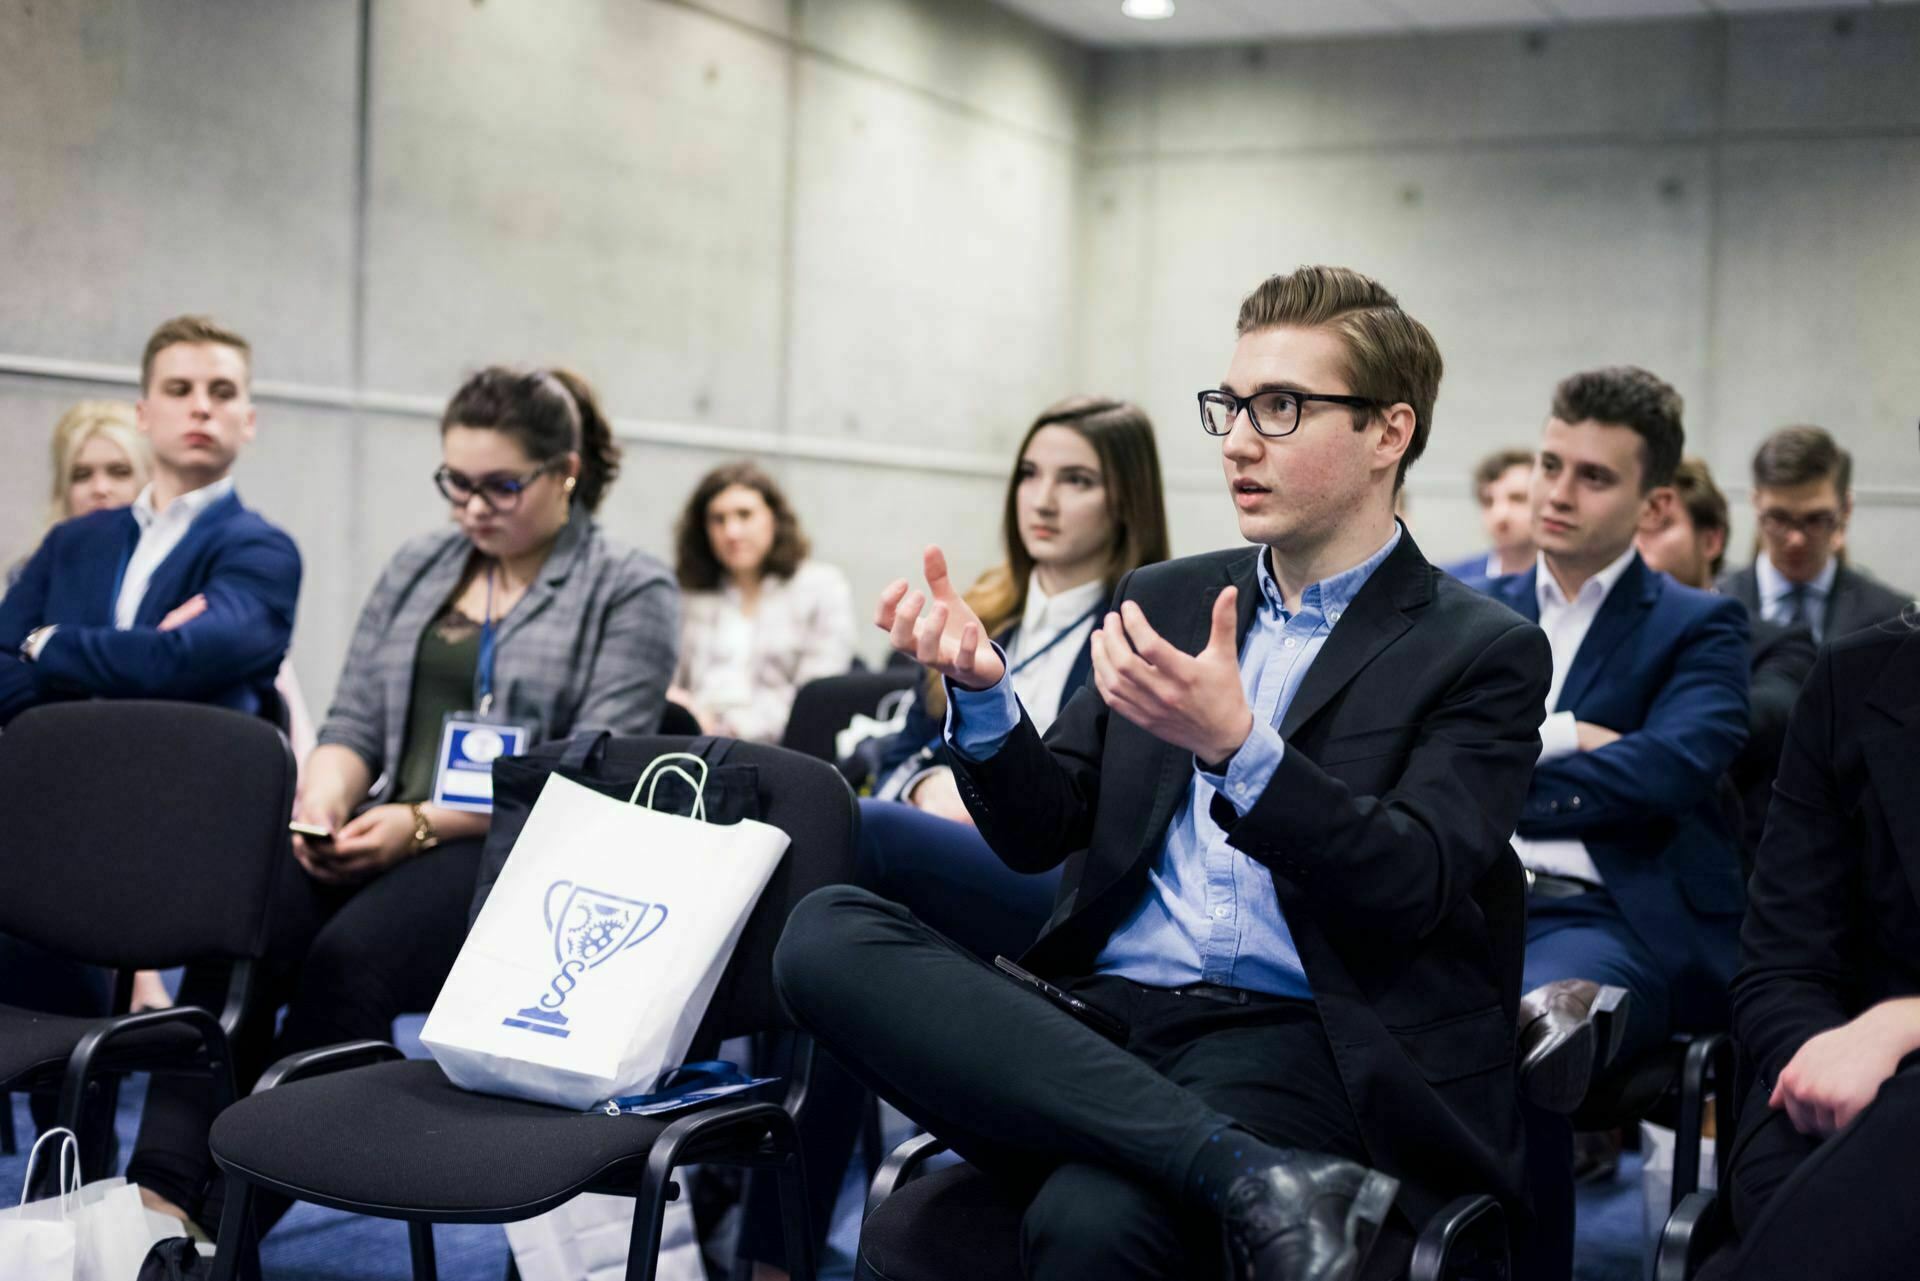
{"x": 1561, "y": 1043}
{"x": 1308, "y": 1218}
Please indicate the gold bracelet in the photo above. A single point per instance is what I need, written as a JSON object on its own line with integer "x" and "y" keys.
{"x": 424, "y": 837}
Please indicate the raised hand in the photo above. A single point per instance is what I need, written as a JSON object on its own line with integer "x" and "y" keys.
{"x": 1189, "y": 700}
{"x": 948, "y": 638}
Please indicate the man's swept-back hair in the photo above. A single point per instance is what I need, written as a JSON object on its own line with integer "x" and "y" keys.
{"x": 1391, "y": 357}
{"x": 1629, "y": 396}
{"x": 1800, "y": 454}
{"x": 191, "y": 329}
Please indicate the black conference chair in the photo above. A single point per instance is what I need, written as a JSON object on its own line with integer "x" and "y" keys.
{"x": 823, "y": 707}
{"x": 1698, "y": 1226}
{"x": 678, "y": 720}
{"x": 954, "y": 1224}
{"x": 139, "y": 835}
{"x": 396, "y": 1140}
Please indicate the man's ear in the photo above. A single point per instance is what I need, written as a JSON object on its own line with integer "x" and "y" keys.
{"x": 1396, "y": 434}
{"x": 1713, "y": 545}
{"x": 1656, "y": 509}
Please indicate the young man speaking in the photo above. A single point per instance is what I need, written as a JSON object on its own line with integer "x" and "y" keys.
{"x": 1289, "y": 898}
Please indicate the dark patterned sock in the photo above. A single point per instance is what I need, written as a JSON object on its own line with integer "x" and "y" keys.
{"x": 1229, "y": 1153}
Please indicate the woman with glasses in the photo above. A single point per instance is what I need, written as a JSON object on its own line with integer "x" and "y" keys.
{"x": 761, "y": 618}
{"x": 523, "y": 616}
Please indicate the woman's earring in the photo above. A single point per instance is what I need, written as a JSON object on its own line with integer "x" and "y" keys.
{"x": 571, "y": 482}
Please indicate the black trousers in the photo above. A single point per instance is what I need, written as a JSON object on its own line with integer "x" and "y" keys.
{"x": 345, "y": 961}
{"x": 35, "y": 979}
{"x": 1833, "y": 1207}
{"x": 1097, "y": 1138}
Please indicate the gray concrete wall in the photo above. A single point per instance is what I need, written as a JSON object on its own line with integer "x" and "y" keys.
{"x": 1728, "y": 203}
{"x": 834, "y": 233}
{"x": 866, "y": 239}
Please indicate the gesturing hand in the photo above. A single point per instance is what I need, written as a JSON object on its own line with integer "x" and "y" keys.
{"x": 1189, "y": 700}
{"x": 949, "y": 639}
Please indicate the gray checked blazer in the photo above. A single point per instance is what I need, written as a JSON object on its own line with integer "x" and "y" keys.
{"x": 592, "y": 644}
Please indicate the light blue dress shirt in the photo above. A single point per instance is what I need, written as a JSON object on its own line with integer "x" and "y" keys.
{"x": 1209, "y": 913}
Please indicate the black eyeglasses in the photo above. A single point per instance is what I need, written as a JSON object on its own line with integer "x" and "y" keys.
{"x": 1272, "y": 413}
{"x": 1815, "y": 524}
{"x": 499, "y": 493}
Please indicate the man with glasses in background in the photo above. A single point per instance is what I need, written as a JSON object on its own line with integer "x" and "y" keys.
{"x": 184, "y": 595}
{"x": 1289, "y": 936}
{"x": 1803, "y": 497}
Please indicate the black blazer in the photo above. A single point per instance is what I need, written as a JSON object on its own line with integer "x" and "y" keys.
{"x": 1408, "y": 749}
{"x": 1857, "y": 600}
{"x": 1833, "y": 917}
{"x": 1781, "y": 658}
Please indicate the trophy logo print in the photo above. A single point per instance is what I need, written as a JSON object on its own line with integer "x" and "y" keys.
{"x": 590, "y": 928}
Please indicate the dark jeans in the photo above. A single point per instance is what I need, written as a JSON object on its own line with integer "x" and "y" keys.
{"x": 945, "y": 874}
{"x": 1586, "y": 937}
{"x": 1832, "y": 1207}
{"x": 1098, "y": 1139}
{"x": 345, "y": 962}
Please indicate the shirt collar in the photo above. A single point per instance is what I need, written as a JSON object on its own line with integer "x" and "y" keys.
{"x": 1600, "y": 586}
{"x": 191, "y": 503}
{"x": 1774, "y": 585}
{"x": 1331, "y": 595}
{"x": 1045, "y": 615}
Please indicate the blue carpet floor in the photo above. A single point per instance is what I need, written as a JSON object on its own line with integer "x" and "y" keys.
{"x": 312, "y": 1244}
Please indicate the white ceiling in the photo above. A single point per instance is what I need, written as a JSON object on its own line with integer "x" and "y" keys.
{"x": 1100, "y": 22}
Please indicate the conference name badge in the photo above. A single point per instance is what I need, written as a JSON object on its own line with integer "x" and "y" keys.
{"x": 463, "y": 770}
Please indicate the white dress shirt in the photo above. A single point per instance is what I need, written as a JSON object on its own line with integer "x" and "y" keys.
{"x": 1042, "y": 683}
{"x": 1772, "y": 587}
{"x": 160, "y": 533}
{"x": 1566, "y": 623}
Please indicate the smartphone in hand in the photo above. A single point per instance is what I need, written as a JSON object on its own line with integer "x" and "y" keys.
{"x": 312, "y": 831}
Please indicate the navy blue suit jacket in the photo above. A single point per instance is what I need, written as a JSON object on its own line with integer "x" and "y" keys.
{"x": 1472, "y": 571}
{"x": 1666, "y": 667}
{"x": 248, "y": 570}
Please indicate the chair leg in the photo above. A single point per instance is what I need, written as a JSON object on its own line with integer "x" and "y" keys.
{"x": 8, "y": 1144}
{"x": 649, "y": 1217}
{"x": 237, "y": 1255}
{"x": 420, "y": 1245}
{"x": 795, "y": 1220}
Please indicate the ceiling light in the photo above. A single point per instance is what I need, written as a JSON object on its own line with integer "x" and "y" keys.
{"x": 1147, "y": 10}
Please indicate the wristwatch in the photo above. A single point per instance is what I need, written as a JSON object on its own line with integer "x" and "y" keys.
{"x": 36, "y": 641}
{"x": 424, "y": 837}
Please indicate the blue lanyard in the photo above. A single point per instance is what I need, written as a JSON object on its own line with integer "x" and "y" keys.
{"x": 1058, "y": 636}
{"x": 483, "y": 667}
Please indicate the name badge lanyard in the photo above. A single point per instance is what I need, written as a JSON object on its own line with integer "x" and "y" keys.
{"x": 483, "y": 666}
{"x": 1058, "y": 636}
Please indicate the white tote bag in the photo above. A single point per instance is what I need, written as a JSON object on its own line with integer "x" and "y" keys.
{"x": 586, "y": 1240}
{"x": 98, "y": 1232}
{"x": 590, "y": 967}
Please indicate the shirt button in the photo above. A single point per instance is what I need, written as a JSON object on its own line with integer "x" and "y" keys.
{"x": 1335, "y": 615}
{"x": 1290, "y": 642}
{"x": 1222, "y": 913}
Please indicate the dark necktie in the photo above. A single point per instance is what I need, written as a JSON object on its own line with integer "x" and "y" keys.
{"x": 1797, "y": 614}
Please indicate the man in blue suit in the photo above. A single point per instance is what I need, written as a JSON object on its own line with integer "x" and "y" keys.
{"x": 1636, "y": 878}
{"x": 186, "y": 594}
{"x": 1503, "y": 486}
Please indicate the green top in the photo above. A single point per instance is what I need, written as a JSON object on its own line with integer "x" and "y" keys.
{"x": 443, "y": 673}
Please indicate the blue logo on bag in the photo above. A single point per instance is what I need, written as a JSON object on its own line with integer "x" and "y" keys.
{"x": 590, "y": 927}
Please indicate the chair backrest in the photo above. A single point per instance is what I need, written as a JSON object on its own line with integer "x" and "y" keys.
{"x": 142, "y": 835}
{"x": 823, "y": 707}
{"x": 675, "y": 719}
{"x": 809, "y": 801}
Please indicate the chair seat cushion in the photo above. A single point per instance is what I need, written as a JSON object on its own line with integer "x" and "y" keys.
{"x": 399, "y": 1139}
{"x": 34, "y": 1046}
{"x": 954, "y": 1224}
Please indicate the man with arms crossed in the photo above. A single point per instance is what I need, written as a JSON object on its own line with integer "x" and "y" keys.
{"x": 184, "y": 595}
{"x": 1289, "y": 896}
{"x": 1636, "y": 879}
